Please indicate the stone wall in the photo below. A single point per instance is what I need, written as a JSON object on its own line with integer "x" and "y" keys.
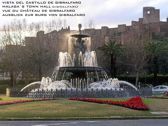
{"x": 151, "y": 15}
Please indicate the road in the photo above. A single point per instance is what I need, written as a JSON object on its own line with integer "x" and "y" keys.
{"x": 140, "y": 122}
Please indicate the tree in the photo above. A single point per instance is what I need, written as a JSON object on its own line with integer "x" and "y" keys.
{"x": 91, "y": 24}
{"x": 135, "y": 56}
{"x": 12, "y": 42}
{"x": 40, "y": 57}
{"x": 155, "y": 50}
{"x": 113, "y": 50}
{"x": 32, "y": 59}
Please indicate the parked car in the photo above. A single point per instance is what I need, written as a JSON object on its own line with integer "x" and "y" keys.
{"x": 160, "y": 89}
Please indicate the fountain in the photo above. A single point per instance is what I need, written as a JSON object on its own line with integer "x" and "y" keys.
{"x": 79, "y": 70}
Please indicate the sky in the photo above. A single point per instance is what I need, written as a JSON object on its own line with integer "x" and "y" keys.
{"x": 102, "y": 12}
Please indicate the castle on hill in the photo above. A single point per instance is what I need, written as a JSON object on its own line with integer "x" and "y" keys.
{"x": 147, "y": 27}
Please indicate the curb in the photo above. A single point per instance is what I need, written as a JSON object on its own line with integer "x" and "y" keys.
{"x": 86, "y": 118}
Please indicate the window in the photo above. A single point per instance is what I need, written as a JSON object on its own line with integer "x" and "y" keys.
{"x": 148, "y": 12}
{"x": 162, "y": 87}
{"x": 156, "y": 88}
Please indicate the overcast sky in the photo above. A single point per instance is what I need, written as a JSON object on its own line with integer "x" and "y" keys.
{"x": 106, "y": 12}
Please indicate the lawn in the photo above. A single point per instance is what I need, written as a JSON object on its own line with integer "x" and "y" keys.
{"x": 5, "y": 98}
{"x": 157, "y": 105}
{"x": 64, "y": 108}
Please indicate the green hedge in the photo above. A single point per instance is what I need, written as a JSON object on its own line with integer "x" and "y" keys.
{"x": 146, "y": 80}
{"x": 3, "y": 85}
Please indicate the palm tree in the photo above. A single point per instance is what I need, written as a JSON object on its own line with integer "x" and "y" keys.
{"x": 155, "y": 50}
{"x": 113, "y": 50}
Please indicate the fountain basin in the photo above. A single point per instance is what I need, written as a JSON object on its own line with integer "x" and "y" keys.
{"x": 92, "y": 74}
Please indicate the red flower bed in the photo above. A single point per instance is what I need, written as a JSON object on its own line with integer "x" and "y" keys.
{"x": 19, "y": 101}
{"x": 133, "y": 103}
